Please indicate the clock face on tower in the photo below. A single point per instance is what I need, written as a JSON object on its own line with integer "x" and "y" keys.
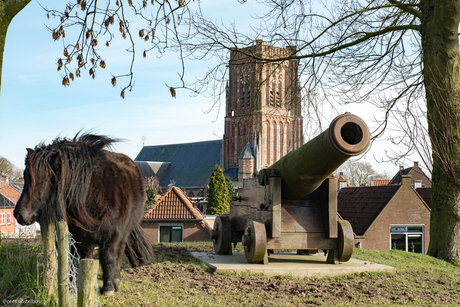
{"x": 245, "y": 75}
{"x": 277, "y": 76}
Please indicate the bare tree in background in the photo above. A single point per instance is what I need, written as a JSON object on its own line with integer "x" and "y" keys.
{"x": 358, "y": 173}
{"x": 8, "y": 169}
{"x": 411, "y": 137}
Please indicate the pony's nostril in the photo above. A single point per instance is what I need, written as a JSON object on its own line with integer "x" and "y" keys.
{"x": 19, "y": 218}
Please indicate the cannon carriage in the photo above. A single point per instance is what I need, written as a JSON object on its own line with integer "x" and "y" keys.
{"x": 293, "y": 203}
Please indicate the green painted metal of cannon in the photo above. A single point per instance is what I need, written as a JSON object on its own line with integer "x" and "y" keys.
{"x": 293, "y": 203}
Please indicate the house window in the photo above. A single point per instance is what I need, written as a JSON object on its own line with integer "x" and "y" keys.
{"x": 407, "y": 238}
{"x": 8, "y": 218}
{"x": 170, "y": 234}
{"x": 2, "y": 218}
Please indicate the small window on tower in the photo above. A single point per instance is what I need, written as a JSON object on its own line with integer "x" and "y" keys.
{"x": 243, "y": 96}
{"x": 248, "y": 98}
{"x": 272, "y": 99}
{"x": 233, "y": 113}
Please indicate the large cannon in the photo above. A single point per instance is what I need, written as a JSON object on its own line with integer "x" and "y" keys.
{"x": 293, "y": 203}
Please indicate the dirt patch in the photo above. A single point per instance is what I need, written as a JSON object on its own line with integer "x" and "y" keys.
{"x": 172, "y": 267}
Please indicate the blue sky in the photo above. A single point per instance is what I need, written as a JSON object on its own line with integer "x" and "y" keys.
{"x": 35, "y": 107}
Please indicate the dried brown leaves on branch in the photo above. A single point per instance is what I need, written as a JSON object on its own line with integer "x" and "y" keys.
{"x": 87, "y": 23}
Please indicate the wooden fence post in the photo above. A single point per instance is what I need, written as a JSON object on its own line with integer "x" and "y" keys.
{"x": 48, "y": 232}
{"x": 63, "y": 263}
{"x": 87, "y": 279}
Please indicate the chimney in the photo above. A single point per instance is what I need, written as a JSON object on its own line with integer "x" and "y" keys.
{"x": 415, "y": 164}
{"x": 5, "y": 179}
{"x": 371, "y": 180}
{"x": 406, "y": 179}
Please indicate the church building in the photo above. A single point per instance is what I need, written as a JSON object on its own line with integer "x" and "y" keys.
{"x": 263, "y": 122}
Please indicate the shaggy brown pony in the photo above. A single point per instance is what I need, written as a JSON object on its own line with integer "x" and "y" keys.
{"x": 98, "y": 192}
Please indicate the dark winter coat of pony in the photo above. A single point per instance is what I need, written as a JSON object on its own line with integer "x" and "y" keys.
{"x": 98, "y": 192}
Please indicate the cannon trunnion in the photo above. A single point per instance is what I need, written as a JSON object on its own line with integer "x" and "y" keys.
{"x": 293, "y": 203}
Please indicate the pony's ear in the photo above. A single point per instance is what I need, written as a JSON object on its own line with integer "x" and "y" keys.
{"x": 29, "y": 151}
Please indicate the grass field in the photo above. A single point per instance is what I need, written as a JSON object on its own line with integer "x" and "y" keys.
{"x": 175, "y": 278}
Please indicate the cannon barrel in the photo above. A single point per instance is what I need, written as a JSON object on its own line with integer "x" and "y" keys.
{"x": 304, "y": 169}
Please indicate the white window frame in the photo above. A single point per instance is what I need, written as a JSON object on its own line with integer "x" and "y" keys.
{"x": 170, "y": 225}
{"x": 408, "y": 234}
{"x": 2, "y": 219}
{"x": 8, "y": 218}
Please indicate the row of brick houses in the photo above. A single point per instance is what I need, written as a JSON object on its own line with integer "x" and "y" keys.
{"x": 391, "y": 216}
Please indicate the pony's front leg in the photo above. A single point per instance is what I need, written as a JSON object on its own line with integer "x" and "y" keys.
{"x": 108, "y": 261}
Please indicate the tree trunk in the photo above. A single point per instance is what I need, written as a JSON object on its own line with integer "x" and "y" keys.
{"x": 441, "y": 64}
{"x": 8, "y": 9}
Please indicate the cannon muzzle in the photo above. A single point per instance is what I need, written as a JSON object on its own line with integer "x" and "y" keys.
{"x": 304, "y": 169}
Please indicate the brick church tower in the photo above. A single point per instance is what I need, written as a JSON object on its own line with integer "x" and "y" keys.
{"x": 263, "y": 107}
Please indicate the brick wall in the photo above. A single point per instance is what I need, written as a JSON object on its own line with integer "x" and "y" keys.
{"x": 8, "y": 228}
{"x": 406, "y": 208}
{"x": 192, "y": 231}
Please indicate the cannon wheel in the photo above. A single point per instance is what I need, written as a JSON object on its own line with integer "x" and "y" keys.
{"x": 254, "y": 241}
{"x": 345, "y": 240}
{"x": 221, "y": 235}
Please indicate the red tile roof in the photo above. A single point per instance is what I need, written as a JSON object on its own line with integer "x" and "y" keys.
{"x": 362, "y": 205}
{"x": 9, "y": 192}
{"x": 378, "y": 182}
{"x": 174, "y": 205}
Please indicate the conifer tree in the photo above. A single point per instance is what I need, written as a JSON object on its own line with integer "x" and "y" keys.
{"x": 218, "y": 196}
{"x": 151, "y": 199}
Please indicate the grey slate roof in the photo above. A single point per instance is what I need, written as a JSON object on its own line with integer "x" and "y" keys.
{"x": 187, "y": 165}
{"x": 247, "y": 152}
{"x": 425, "y": 193}
{"x": 398, "y": 176}
{"x": 5, "y": 202}
{"x": 231, "y": 173}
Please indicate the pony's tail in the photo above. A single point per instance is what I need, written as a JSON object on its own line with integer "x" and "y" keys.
{"x": 138, "y": 250}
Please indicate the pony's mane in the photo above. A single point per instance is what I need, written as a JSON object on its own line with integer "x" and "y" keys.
{"x": 70, "y": 162}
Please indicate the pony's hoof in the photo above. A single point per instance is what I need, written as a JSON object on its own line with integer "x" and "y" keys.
{"x": 108, "y": 293}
